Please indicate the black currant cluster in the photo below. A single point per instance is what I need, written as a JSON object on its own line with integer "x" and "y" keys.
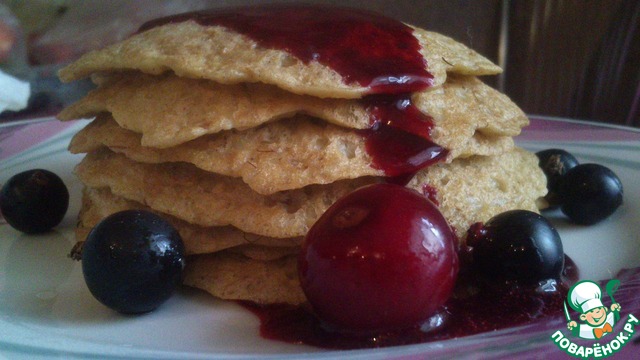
{"x": 586, "y": 193}
{"x": 132, "y": 261}
{"x": 523, "y": 246}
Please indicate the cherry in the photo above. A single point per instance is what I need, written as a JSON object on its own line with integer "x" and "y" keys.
{"x": 34, "y": 201}
{"x": 590, "y": 193}
{"x": 132, "y": 261}
{"x": 517, "y": 245}
{"x": 380, "y": 258}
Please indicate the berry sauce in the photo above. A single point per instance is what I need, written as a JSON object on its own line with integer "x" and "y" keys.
{"x": 477, "y": 306}
{"x": 365, "y": 48}
{"x": 399, "y": 140}
{"x": 430, "y": 193}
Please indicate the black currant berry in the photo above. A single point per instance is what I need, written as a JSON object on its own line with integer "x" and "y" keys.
{"x": 590, "y": 193}
{"x": 34, "y": 201}
{"x": 132, "y": 261}
{"x": 518, "y": 245}
{"x": 555, "y": 163}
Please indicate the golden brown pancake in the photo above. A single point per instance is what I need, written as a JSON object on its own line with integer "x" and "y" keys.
{"x": 232, "y": 276}
{"x": 470, "y": 118}
{"x": 265, "y": 253}
{"x": 468, "y": 190}
{"x": 475, "y": 189}
{"x": 216, "y": 53}
{"x": 169, "y": 110}
{"x": 284, "y": 155}
{"x": 100, "y": 203}
{"x": 208, "y": 199}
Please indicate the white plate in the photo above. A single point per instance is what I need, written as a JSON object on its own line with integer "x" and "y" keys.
{"x": 46, "y": 309}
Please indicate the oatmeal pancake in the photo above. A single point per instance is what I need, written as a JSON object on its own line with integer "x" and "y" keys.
{"x": 284, "y": 155}
{"x": 208, "y": 199}
{"x": 233, "y": 276}
{"x": 265, "y": 253}
{"x": 467, "y": 190}
{"x": 476, "y": 189}
{"x": 100, "y": 203}
{"x": 217, "y": 53}
{"x": 169, "y": 110}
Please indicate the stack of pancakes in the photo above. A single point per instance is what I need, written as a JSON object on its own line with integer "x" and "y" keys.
{"x": 242, "y": 147}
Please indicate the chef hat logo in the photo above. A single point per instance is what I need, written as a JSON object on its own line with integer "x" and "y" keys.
{"x": 585, "y": 296}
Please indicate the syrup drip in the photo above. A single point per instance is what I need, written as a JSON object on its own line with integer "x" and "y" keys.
{"x": 477, "y": 306}
{"x": 399, "y": 140}
{"x": 364, "y": 48}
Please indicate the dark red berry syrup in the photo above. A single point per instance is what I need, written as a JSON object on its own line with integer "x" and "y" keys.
{"x": 477, "y": 305}
{"x": 367, "y": 49}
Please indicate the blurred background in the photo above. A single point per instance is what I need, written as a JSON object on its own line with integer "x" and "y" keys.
{"x": 567, "y": 58}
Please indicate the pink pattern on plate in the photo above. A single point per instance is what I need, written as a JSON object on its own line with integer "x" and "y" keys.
{"x": 547, "y": 129}
{"x": 18, "y": 138}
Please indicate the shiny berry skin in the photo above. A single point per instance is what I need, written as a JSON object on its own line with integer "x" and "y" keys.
{"x": 380, "y": 258}
{"x": 555, "y": 163}
{"x": 590, "y": 193}
{"x": 132, "y": 261}
{"x": 34, "y": 201}
{"x": 517, "y": 245}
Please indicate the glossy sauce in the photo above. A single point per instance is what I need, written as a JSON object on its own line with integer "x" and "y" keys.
{"x": 365, "y": 48}
{"x": 477, "y": 306}
{"x": 399, "y": 140}
{"x": 430, "y": 193}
